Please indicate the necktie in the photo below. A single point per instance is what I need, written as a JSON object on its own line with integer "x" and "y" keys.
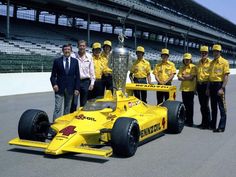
{"x": 67, "y": 66}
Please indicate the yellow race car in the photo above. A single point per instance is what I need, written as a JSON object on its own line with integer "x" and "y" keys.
{"x": 116, "y": 124}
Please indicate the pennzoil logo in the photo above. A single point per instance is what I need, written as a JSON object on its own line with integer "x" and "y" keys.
{"x": 152, "y": 86}
{"x": 150, "y": 130}
{"x": 83, "y": 117}
{"x": 68, "y": 130}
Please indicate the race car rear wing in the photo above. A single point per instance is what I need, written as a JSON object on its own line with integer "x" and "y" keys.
{"x": 152, "y": 87}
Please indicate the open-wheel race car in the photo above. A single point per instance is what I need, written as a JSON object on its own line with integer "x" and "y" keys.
{"x": 116, "y": 124}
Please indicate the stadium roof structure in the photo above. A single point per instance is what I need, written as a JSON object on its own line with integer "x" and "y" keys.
{"x": 186, "y": 17}
{"x": 196, "y": 10}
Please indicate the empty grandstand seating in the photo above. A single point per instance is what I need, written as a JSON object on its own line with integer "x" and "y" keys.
{"x": 32, "y": 46}
{"x": 25, "y": 63}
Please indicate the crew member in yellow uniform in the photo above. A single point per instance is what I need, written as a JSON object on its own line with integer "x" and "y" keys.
{"x": 100, "y": 68}
{"x": 107, "y": 77}
{"x": 219, "y": 73}
{"x": 164, "y": 73}
{"x": 203, "y": 69}
{"x": 140, "y": 73}
{"x": 187, "y": 76}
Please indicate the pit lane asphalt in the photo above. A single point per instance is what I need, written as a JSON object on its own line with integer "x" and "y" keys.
{"x": 193, "y": 153}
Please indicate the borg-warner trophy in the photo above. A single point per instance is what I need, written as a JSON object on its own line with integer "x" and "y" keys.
{"x": 120, "y": 61}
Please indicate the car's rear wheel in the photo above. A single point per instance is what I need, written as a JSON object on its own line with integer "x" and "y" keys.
{"x": 176, "y": 116}
{"x": 125, "y": 136}
{"x": 33, "y": 125}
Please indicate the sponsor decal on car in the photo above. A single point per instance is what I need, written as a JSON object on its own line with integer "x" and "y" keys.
{"x": 149, "y": 130}
{"x": 83, "y": 117}
{"x": 163, "y": 122}
{"x": 68, "y": 130}
{"x": 111, "y": 117}
{"x": 131, "y": 104}
{"x": 152, "y": 86}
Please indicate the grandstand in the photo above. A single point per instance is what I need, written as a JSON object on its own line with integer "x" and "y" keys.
{"x": 36, "y": 30}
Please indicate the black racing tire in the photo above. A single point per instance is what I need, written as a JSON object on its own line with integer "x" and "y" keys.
{"x": 125, "y": 136}
{"x": 33, "y": 125}
{"x": 176, "y": 116}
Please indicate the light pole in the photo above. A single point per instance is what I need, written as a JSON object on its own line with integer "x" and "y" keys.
{"x": 234, "y": 52}
{"x": 166, "y": 41}
{"x": 186, "y": 39}
{"x": 8, "y": 19}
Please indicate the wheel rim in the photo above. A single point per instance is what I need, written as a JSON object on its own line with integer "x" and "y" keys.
{"x": 181, "y": 118}
{"x": 40, "y": 128}
{"x": 133, "y": 140}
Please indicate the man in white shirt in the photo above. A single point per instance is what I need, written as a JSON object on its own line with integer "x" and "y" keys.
{"x": 87, "y": 75}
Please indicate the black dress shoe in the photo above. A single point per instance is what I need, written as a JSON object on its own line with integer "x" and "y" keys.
{"x": 218, "y": 130}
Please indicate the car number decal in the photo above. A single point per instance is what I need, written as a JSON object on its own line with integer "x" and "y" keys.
{"x": 68, "y": 130}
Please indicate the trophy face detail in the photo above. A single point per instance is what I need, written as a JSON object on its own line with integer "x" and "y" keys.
{"x": 120, "y": 65}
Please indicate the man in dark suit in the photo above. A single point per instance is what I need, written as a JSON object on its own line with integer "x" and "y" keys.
{"x": 65, "y": 80}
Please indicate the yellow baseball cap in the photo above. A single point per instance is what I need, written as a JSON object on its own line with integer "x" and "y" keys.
{"x": 217, "y": 47}
{"x": 107, "y": 42}
{"x": 187, "y": 56}
{"x": 204, "y": 48}
{"x": 140, "y": 49}
{"x": 96, "y": 45}
{"x": 165, "y": 51}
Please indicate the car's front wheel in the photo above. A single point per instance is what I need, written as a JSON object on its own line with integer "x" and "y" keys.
{"x": 176, "y": 116}
{"x": 33, "y": 125}
{"x": 125, "y": 136}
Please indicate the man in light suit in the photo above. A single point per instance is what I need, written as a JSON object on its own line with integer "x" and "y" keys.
{"x": 65, "y": 80}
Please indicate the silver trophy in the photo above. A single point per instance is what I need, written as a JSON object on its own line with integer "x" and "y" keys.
{"x": 120, "y": 65}
{"x": 120, "y": 60}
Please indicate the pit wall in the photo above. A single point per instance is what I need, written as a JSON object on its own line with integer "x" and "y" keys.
{"x": 23, "y": 83}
